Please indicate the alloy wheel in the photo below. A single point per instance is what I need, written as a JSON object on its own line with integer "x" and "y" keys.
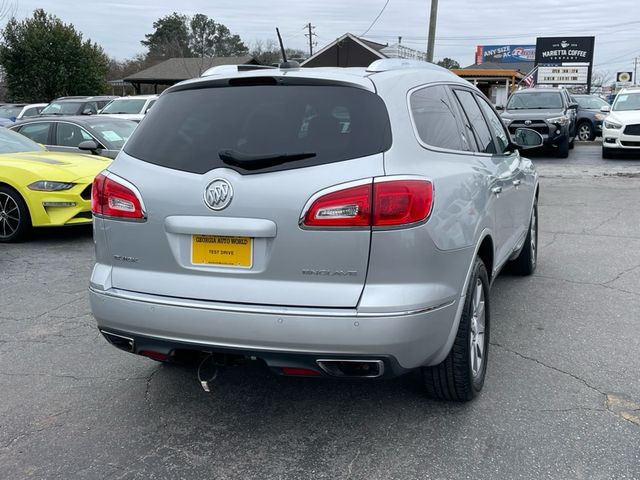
{"x": 584, "y": 132}
{"x": 534, "y": 237}
{"x": 9, "y": 215}
{"x": 477, "y": 331}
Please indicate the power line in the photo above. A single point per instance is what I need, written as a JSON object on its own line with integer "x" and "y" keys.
{"x": 376, "y": 19}
{"x": 603, "y": 28}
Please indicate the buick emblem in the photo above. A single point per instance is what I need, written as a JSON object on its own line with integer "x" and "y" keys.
{"x": 528, "y": 122}
{"x": 218, "y": 194}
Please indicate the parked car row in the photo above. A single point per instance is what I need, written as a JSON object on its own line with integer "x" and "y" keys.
{"x": 100, "y": 135}
{"x": 561, "y": 118}
{"x": 132, "y": 108}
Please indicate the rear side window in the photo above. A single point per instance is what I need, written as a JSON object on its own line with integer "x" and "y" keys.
{"x": 477, "y": 122}
{"x": 434, "y": 119}
{"x": 70, "y": 135}
{"x": 502, "y": 140}
{"x": 305, "y": 125}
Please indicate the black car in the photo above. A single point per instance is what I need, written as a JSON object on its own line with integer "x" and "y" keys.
{"x": 100, "y": 135}
{"x": 589, "y": 116}
{"x": 76, "y": 105}
{"x": 550, "y": 112}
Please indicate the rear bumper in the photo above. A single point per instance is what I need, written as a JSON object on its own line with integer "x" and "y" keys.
{"x": 403, "y": 340}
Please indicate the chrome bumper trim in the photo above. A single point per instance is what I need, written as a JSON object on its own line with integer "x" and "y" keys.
{"x": 262, "y": 310}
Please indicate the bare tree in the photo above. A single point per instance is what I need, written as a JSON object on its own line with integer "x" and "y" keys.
{"x": 600, "y": 79}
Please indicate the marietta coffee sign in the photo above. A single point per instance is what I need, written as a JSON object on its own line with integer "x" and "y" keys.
{"x": 565, "y": 60}
{"x": 564, "y": 50}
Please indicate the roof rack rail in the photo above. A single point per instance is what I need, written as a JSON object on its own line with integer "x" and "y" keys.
{"x": 386, "y": 64}
{"x": 220, "y": 69}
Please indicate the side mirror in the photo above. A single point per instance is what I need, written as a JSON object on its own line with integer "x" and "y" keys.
{"x": 525, "y": 138}
{"x": 573, "y": 106}
{"x": 89, "y": 145}
{"x": 499, "y": 107}
{"x": 605, "y": 109}
{"x": 87, "y": 111}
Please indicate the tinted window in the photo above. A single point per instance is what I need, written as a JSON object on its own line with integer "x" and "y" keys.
{"x": 69, "y": 135}
{"x": 476, "y": 120}
{"x": 187, "y": 129}
{"x": 38, "y": 132}
{"x": 496, "y": 125}
{"x": 535, "y": 100}
{"x": 434, "y": 118}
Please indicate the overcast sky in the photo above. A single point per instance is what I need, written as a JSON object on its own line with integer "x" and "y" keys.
{"x": 119, "y": 25}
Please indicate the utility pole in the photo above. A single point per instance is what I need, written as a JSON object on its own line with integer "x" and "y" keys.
{"x": 311, "y": 34}
{"x": 432, "y": 30}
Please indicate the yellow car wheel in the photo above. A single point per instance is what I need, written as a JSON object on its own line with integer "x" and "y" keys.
{"x": 15, "y": 221}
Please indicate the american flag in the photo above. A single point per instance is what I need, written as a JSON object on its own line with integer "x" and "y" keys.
{"x": 530, "y": 80}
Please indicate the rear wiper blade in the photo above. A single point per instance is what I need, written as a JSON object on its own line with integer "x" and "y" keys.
{"x": 250, "y": 161}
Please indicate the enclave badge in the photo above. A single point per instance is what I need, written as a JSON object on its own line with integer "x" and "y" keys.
{"x": 218, "y": 194}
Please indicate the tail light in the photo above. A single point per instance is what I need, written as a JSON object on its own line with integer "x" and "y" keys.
{"x": 387, "y": 203}
{"x": 350, "y": 207}
{"x": 115, "y": 198}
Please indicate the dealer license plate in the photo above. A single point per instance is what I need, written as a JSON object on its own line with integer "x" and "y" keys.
{"x": 222, "y": 251}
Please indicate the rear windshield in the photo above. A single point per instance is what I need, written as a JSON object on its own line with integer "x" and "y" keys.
{"x": 59, "y": 108}
{"x": 125, "y": 105}
{"x": 590, "y": 101}
{"x": 304, "y": 125}
{"x": 115, "y": 132}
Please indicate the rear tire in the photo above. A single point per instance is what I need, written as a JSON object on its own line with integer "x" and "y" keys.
{"x": 461, "y": 375}
{"x": 15, "y": 221}
{"x": 527, "y": 260}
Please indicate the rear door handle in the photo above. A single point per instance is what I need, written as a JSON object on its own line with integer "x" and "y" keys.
{"x": 496, "y": 190}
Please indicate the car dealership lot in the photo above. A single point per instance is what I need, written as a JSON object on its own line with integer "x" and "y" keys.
{"x": 562, "y": 396}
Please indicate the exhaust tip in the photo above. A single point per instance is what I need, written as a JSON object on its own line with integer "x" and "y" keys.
{"x": 352, "y": 368}
{"x": 119, "y": 341}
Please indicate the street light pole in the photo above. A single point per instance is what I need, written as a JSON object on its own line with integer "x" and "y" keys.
{"x": 432, "y": 30}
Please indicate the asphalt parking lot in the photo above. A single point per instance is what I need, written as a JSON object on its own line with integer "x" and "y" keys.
{"x": 562, "y": 398}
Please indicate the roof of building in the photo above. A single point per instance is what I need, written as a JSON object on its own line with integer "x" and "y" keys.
{"x": 523, "y": 67}
{"x": 175, "y": 70}
{"x": 373, "y": 47}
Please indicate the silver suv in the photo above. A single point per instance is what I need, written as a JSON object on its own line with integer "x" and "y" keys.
{"x": 329, "y": 222}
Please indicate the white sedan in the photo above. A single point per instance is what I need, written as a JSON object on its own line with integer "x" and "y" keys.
{"x": 621, "y": 128}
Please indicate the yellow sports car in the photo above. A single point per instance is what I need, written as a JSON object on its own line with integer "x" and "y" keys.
{"x": 40, "y": 188}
